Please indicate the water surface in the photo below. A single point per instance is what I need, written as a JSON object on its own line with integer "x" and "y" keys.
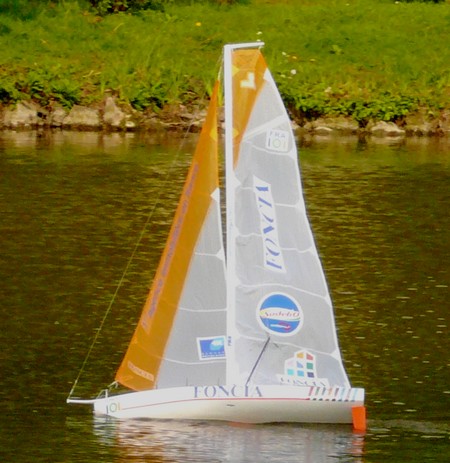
{"x": 73, "y": 207}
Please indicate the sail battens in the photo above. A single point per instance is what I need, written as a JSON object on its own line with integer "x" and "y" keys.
{"x": 324, "y": 297}
{"x": 309, "y": 249}
{"x": 208, "y": 254}
{"x": 185, "y": 309}
{"x": 279, "y": 204}
{"x": 203, "y": 362}
{"x": 263, "y": 128}
{"x": 292, "y": 346}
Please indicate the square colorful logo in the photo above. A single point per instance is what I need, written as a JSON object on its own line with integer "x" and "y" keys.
{"x": 300, "y": 370}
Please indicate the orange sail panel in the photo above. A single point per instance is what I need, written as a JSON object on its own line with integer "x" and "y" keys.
{"x": 248, "y": 69}
{"x": 142, "y": 361}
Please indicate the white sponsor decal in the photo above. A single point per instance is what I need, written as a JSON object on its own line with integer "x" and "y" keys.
{"x": 140, "y": 372}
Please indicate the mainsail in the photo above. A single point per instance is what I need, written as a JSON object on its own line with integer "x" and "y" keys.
{"x": 280, "y": 318}
{"x": 180, "y": 338}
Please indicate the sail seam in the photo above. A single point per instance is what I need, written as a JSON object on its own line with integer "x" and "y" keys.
{"x": 277, "y": 121}
{"x": 202, "y": 310}
{"x": 290, "y": 344}
{"x": 208, "y": 254}
{"x": 203, "y": 362}
{"x": 310, "y": 293}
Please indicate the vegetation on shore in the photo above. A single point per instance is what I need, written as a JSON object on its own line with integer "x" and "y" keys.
{"x": 365, "y": 59}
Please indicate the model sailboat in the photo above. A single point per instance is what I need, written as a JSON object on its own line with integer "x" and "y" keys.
{"x": 250, "y": 336}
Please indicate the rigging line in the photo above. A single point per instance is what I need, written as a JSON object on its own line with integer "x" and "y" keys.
{"x": 130, "y": 260}
{"x": 119, "y": 285}
{"x": 257, "y": 360}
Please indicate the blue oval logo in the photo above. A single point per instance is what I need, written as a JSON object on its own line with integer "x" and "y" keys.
{"x": 280, "y": 314}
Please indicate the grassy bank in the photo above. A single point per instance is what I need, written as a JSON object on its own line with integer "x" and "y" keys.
{"x": 368, "y": 59}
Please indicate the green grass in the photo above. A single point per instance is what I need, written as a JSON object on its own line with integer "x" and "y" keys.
{"x": 370, "y": 59}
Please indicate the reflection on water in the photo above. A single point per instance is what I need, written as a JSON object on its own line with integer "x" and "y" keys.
{"x": 170, "y": 441}
{"x": 71, "y": 209}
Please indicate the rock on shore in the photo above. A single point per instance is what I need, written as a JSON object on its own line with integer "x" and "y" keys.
{"x": 29, "y": 115}
{"x": 417, "y": 124}
{"x": 109, "y": 116}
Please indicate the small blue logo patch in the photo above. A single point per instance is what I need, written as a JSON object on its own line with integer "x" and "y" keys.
{"x": 211, "y": 348}
{"x": 280, "y": 314}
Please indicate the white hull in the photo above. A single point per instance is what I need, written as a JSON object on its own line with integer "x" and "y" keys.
{"x": 252, "y": 404}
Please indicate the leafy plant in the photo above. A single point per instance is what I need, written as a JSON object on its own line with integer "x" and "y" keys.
{"x": 422, "y": 1}
{"x": 66, "y": 92}
{"x": 8, "y": 91}
{"x": 114, "y": 6}
{"x": 104, "y": 7}
{"x": 144, "y": 97}
{"x": 23, "y": 9}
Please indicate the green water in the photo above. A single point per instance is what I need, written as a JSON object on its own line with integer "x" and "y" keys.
{"x": 72, "y": 207}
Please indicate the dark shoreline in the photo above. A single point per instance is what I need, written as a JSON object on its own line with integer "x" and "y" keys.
{"x": 109, "y": 117}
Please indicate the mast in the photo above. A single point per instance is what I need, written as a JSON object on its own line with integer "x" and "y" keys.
{"x": 229, "y": 190}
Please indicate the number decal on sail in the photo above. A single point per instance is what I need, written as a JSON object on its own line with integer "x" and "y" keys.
{"x": 277, "y": 140}
{"x": 250, "y": 82}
